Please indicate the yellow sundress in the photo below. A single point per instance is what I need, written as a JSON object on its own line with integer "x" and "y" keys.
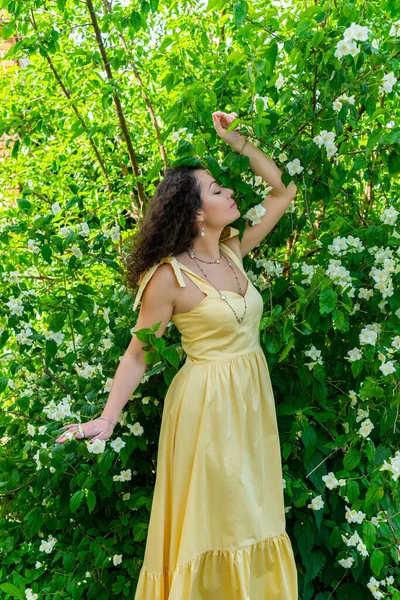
{"x": 217, "y": 521}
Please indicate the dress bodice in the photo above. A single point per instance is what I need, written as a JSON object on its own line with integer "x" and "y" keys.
{"x": 210, "y": 331}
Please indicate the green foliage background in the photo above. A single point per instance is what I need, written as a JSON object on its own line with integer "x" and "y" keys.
{"x": 93, "y": 130}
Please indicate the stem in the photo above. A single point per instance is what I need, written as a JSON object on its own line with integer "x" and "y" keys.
{"x": 117, "y": 102}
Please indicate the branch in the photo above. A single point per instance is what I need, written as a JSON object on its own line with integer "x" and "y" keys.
{"x": 76, "y": 111}
{"x": 60, "y": 383}
{"x": 108, "y": 8}
{"x": 117, "y": 102}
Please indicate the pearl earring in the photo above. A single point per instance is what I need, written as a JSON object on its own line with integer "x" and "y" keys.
{"x": 202, "y": 229}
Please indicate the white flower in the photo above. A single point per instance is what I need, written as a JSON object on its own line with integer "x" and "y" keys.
{"x": 389, "y": 216}
{"x": 16, "y": 306}
{"x": 353, "y": 516}
{"x": 353, "y": 397}
{"x": 76, "y": 251}
{"x": 396, "y": 342}
{"x": 316, "y": 503}
{"x": 361, "y": 414}
{"x": 58, "y": 337}
{"x": 55, "y": 208}
{"x": 330, "y": 480}
{"x": 387, "y": 83}
{"x": 365, "y": 294}
{"x": 84, "y": 228}
{"x": 337, "y": 105}
{"x": 137, "y": 429}
{"x": 117, "y": 444}
{"x": 373, "y": 586}
{"x": 115, "y": 233}
{"x": 366, "y": 428}
{"x": 393, "y": 466}
{"x": 30, "y": 430}
{"x": 346, "y": 562}
{"x": 65, "y": 231}
{"x": 356, "y": 32}
{"x": 387, "y": 368}
{"x": 368, "y": 336}
{"x": 353, "y": 540}
{"x": 96, "y": 446}
{"x": 117, "y": 559}
{"x": 353, "y": 355}
{"x": 125, "y": 475}
{"x": 255, "y": 213}
{"x": 49, "y": 545}
{"x": 280, "y": 81}
{"x": 33, "y": 246}
{"x": 294, "y": 167}
{"x": 395, "y": 29}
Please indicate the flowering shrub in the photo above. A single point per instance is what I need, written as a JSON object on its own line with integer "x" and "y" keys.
{"x": 316, "y": 88}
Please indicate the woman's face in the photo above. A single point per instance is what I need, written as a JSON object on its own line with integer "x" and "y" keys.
{"x": 217, "y": 210}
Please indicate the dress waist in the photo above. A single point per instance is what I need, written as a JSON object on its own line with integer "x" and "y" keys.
{"x": 219, "y": 356}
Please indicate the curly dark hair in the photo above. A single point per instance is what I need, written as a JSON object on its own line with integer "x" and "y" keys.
{"x": 169, "y": 223}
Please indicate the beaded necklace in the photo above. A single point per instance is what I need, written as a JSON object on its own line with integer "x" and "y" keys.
{"x": 222, "y": 296}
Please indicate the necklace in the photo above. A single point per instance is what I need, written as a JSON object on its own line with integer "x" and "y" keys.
{"x": 222, "y": 296}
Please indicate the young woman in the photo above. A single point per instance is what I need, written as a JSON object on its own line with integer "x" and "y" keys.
{"x": 217, "y": 523}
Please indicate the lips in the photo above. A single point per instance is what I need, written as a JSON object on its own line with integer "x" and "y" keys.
{"x": 234, "y": 204}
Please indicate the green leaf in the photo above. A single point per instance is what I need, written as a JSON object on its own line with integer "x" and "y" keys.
{"x": 374, "y": 493}
{"x": 76, "y": 500}
{"x": 13, "y": 591}
{"x": 172, "y": 356}
{"x": 69, "y": 560}
{"x": 351, "y": 459}
{"x": 315, "y": 564}
{"x": 352, "y": 490}
{"x": 286, "y": 349}
{"x": 24, "y": 204}
{"x": 33, "y": 520}
{"x": 327, "y": 301}
{"x": 301, "y": 500}
{"x": 340, "y": 319}
{"x": 369, "y": 534}
{"x": 240, "y": 10}
{"x": 91, "y": 500}
{"x": 372, "y": 141}
{"x": 377, "y": 560}
{"x": 46, "y": 252}
{"x": 393, "y": 163}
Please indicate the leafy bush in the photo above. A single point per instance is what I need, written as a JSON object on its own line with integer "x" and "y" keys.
{"x": 74, "y": 517}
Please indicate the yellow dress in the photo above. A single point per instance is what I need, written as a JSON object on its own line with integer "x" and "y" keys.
{"x": 217, "y": 522}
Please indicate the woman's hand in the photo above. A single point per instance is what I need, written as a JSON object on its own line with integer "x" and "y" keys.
{"x": 97, "y": 429}
{"x": 233, "y": 138}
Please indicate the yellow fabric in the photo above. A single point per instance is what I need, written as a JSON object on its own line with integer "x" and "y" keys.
{"x": 217, "y": 523}
{"x": 147, "y": 275}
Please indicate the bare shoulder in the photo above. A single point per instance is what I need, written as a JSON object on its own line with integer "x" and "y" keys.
{"x": 158, "y": 302}
{"x": 163, "y": 283}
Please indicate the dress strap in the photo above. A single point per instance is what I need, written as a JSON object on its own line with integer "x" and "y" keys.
{"x": 148, "y": 274}
{"x": 228, "y": 232}
{"x": 232, "y": 233}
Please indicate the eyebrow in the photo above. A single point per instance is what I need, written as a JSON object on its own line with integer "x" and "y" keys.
{"x": 212, "y": 183}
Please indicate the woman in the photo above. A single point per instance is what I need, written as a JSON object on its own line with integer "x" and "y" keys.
{"x": 217, "y": 523}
